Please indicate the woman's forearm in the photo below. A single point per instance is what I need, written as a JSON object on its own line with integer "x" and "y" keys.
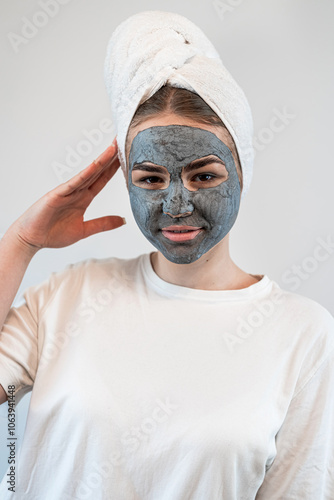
{"x": 14, "y": 260}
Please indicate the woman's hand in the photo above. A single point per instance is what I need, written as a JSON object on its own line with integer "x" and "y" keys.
{"x": 57, "y": 219}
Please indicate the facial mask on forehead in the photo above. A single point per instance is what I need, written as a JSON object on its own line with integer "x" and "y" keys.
{"x": 213, "y": 209}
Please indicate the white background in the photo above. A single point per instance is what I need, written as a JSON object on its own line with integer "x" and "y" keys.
{"x": 280, "y": 53}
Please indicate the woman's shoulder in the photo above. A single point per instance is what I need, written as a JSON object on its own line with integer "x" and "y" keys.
{"x": 102, "y": 264}
{"x": 302, "y": 312}
{"x": 85, "y": 274}
{"x": 299, "y": 302}
{"x": 95, "y": 269}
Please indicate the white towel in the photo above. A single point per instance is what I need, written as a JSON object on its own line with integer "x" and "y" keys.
{"x": 152, "y": 48}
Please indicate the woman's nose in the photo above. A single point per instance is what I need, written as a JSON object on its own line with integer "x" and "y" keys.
{"x": 177, "y": 202}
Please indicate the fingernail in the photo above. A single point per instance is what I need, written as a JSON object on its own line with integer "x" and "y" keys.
{"x": 124, "y": 221}
{"x": 98, "y": 158}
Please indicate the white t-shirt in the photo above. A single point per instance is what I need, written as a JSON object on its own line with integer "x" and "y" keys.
{"x": 146, "y": 390}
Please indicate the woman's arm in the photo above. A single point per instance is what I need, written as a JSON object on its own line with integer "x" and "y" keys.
{"x": 304, "y": 463}
{"x": 14, "y": 260}
{"x": 56, "y": 220}
{"x": 3, "y": 395}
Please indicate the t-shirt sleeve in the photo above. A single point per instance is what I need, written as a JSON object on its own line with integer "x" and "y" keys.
{"x": 21, "y": 337}
{"x": 19, "y": 340}
{"x": 304, "y": 464}
{"x": 18, "y": 346}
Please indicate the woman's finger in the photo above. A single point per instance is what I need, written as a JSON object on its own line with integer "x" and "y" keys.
{"x": 92, "y": 171}
{"x": 103, "y": 178}
{"x": 105, "y": 223}
{"x": 114, "y": 164}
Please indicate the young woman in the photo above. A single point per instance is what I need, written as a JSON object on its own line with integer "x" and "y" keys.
{"x": 173, "y": 375}
{"x": 153, "y": 378}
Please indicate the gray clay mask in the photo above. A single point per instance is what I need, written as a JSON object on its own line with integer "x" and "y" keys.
{"x": 213, "y": 209}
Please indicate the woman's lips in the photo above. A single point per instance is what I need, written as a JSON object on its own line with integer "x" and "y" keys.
{"x": 190, "y": 232}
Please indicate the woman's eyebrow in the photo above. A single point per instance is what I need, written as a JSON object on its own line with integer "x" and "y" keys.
{"x": 149, "y": 168}
{"x": 201, "y": 162}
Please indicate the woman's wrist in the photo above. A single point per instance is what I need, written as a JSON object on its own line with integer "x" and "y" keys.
{"x": 15, "y": 244}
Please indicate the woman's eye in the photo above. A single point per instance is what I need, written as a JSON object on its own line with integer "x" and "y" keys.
{"x": 204, "y": 177}
{"x": 150, "y": 180}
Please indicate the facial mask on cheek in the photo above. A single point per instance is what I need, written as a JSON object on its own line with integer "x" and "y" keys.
{"x": 214, "y": 209}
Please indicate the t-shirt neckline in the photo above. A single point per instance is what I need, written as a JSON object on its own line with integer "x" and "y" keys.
{"x": 181, "y": 292}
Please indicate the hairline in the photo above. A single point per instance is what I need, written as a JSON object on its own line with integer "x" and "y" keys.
{"x": 216, "y": 126}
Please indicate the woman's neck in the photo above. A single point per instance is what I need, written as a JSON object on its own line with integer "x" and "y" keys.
{"x": 215, "y": 270}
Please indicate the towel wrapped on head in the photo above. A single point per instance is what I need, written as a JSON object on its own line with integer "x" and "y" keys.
{"x": 153, "y": 48}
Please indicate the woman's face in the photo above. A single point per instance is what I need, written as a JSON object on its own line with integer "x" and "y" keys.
{"x": 183, "y": 185}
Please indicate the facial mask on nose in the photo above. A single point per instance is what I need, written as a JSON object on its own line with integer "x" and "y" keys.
{"x": 214, "y": 209}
